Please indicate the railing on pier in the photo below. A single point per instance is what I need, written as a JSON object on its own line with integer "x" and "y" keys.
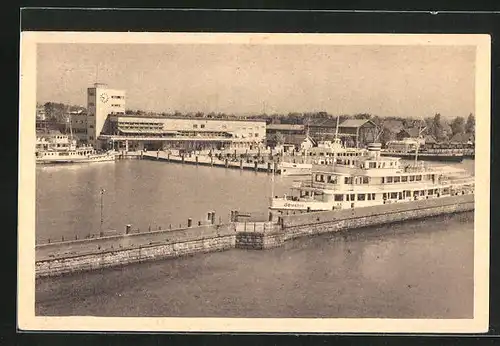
{"x": 260, "y": 227}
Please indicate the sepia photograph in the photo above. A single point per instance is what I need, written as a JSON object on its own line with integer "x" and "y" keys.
{"x": 254, "y": 182}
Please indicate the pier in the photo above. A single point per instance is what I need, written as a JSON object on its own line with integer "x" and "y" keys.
{"x": 233, "y": 161}
{"x": 133, "y": 246}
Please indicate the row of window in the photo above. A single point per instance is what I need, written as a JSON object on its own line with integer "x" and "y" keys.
{"x": 352, "y": 197}
{"x": 404, "y": 178}
{"x": 391, "y": 195}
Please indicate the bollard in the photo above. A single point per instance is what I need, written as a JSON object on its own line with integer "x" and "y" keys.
{"x": 76, "y": 236}
{"x": 256, "y": 165}
{"x": 227, "y": 163}
{"x": 182, "y": 158}
{"x": 127, "y": 229}
{"x": 190, "y": 221}
{"x": 241, "y": 163}
{"x": 199, "y": 223}
{"x": 211, "y": 161}
{"x": 213, "y": 217}
{"x": 270, "y": 216}
{"x": 62, "y": 238}
{"x": 269, "y": 167}
{"x": 170, "y": 226}
{"x": 149, "y": 228}
{"x": 196, "y": 159}
{"x": 48, "y": 240}
{"x": 209, "y": 217}
{"x": 232, "y": 215}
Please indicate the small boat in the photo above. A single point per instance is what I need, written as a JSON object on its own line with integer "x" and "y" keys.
{"x": 59, "y": 148}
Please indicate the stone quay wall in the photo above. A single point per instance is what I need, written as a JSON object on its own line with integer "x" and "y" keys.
{"x": 307, "y": 224}
{"x": 90, "y": 254}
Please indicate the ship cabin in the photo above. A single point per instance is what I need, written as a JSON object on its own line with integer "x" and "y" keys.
{"x": 372, "y": 180}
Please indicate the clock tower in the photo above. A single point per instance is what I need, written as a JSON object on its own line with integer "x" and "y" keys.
{"x": 102, "y": 102}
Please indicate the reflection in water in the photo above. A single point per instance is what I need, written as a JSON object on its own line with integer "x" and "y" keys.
{"x": 419, "y": 269}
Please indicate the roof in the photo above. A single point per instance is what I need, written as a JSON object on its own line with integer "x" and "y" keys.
{"x": 393, "y": 125}
{"x": 356, "y": 122}
{"x": 318, "y": 122}
{"x": 412, "y": 131}
{"x": 462, "y": 138}
{"x": 285, "y": 127}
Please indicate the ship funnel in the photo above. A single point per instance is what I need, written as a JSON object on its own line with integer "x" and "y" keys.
{"x": 374, "y": 149}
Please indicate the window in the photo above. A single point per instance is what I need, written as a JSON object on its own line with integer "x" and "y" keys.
{"x": 372, "y": 164}
{"x": 373, "y": 196}
{"x": 332, "y": 179}
{"x": 384, "y": 196}
{"x": 352, "y": 197}
{"x": 361, "y": 196}
{"x": 91, "y": 138}
{"x": 202, "y": 126}
{"x": 430, "y": 192}
{"x": 369, "y": 196}
{"x": 404, "y": 179}
{"x": 412, "y": 178}
{"x": 339, "y": 198}
{"x": 394, "y": 195}
{"x": 256, "y": 135}
{"x": 91, "y": 126}
{"x": 91, "y": 104}
{"x": 365, "y": 180}
{"x": 418, "y": 178}
{"x": 397, "y": 179}
{"x": 389, "y": 179}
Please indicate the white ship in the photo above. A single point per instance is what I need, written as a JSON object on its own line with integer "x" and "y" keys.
{"x": 367, "y": 180}
{"x": 59, "y": 148}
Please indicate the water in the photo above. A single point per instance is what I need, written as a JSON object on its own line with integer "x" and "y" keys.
{"x": 419, "y": 269}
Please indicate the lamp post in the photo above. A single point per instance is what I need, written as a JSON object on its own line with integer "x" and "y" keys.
{"x": 102, "y": 219}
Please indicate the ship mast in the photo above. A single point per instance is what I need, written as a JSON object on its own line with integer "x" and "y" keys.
{"x": 420, "y": 131}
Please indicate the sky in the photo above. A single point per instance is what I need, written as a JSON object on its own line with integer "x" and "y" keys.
{"x": 406, "y": 81}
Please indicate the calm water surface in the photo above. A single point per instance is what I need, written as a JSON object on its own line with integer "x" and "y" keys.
{"x": 419, "y": 269}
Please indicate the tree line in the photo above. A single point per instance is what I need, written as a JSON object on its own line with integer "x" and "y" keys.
{"x": 436, "y": 126}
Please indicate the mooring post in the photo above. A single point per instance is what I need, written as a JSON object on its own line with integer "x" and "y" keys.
{"x": 128, "y": 229}
{"x": 256, "y": 163}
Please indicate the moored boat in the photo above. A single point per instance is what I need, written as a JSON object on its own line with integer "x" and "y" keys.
{"x": 368, "y": 180}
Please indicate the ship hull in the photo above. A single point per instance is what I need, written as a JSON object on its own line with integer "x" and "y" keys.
{"x": 74, "y": 160}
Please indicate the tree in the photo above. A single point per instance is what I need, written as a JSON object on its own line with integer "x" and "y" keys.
{"x": 386, "y": 135}
{"x": 279, "y": 138}
{"x": 437, "y": 128}
{"x": 457, "y": 126}
{"x": 470, "y": 125}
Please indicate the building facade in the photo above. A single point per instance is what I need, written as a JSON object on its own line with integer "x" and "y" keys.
{"x": 133, "y": 132}
{"x": 285, "y": 134}
{"x": 101, "y": 102}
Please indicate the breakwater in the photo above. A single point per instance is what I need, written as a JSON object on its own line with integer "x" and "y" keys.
{"x": 108, "y": 251}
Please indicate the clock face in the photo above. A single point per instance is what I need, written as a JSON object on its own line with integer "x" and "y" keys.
{"x": 104, "y": 97}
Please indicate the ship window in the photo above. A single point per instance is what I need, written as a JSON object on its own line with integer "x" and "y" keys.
{"x": 384, "y": 196}
{"x": 372, "y": 164}
{"x": 404, "y": 179}
{"x": 430, "y": 192}
{"x": 400, "y": 195}
{"x": 394, "y": 195}
{"x": 397, "y": 179}
{"x": 389, "y": 179}
{"x": 347, "y": 198}
{"x": 383, "y": 180}
{"x": 369, "y": 196}
{"x": 195, "y": 126}
{"x": 352, "y": 197}
{"x": 418, "y": 177}
{"x": 373, "y": 196}
{"x": 202, "y": 126}
{"x": 339, "y": 198}
{"x": 365, "y": 180}
{"x": 361, "y": 196}
{"x": 412, "y": 178}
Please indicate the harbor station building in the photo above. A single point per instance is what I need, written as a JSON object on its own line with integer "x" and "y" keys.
{"x": 105, "y": 125}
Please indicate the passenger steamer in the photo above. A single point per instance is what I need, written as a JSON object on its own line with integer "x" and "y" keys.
{"x": 61, "y": 149}
{"x": 368, "y": 180}
{"x": 407, "y": 148}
